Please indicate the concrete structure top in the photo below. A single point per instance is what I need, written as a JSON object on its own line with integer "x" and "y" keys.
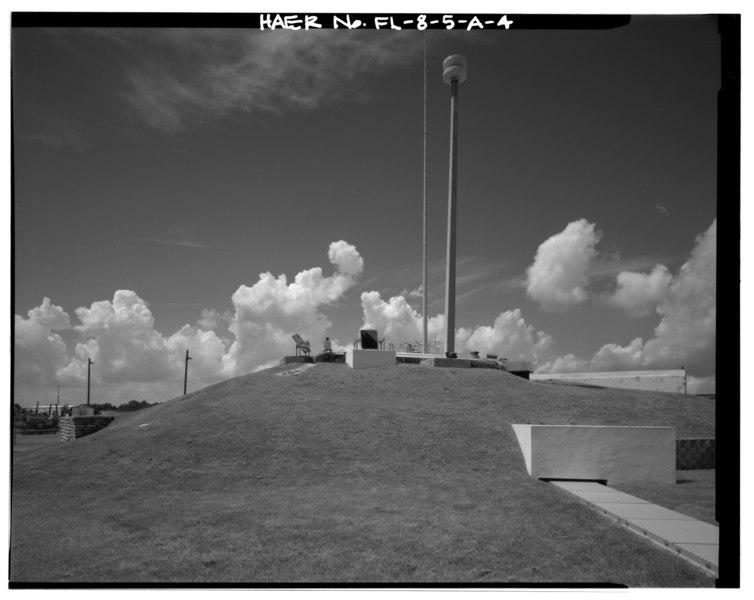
{"x": 611, "y": 374}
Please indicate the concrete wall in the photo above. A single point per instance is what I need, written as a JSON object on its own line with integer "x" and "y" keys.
{"x": 615, "y": 454}
{"x": 367, "y": 359}
{"x": 653, "y": 381}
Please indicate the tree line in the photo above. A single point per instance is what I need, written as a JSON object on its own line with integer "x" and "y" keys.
{"x": 128, "y": 407}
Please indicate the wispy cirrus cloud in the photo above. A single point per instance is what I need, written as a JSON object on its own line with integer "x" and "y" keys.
{"x": 511, "y": 284}
{"x": 474, "y": 275}
{"x": 60, "y": 134}
{"x": 608, "y": 267}
{"x": 181, "y": 243}
{"x": 180, "y": 236}
{"x": 208, "y": 73}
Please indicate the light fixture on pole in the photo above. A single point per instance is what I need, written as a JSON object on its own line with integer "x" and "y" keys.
{"x": 454, "y": 74}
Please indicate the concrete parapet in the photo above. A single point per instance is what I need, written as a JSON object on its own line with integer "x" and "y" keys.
{"x": 654, "y": 381}
{"x": 367, "y": 359}
{"x": 485, "y": 364}
{"x": 336, "y": 357}
{"x": 286, "y": 360}
{"x": 614, "y": 454}
{"x": 457, "y": 363}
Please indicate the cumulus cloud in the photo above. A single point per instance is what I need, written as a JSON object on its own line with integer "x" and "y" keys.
{"x": 206, "y": 350}
{"x": 121, "y": 339}
{"x": 509, "y": 337}
{"x": 118, "y": 335}
{"x": 211, "y": 319}
{"x": 270, "y": 311}
{"x": 132, "y": 358}
{"x": 639, "y": 294}
{"x": 686, "y": 333}
{"x": 396, "y": 320}
{"x": 39, "y": 350}
{"x": 558, "y": 277}
{"x": 569, "y": 363}
{"x": 613, "y": 357}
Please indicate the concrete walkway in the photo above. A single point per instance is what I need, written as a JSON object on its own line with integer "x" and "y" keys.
{"x": 694, "y": 540}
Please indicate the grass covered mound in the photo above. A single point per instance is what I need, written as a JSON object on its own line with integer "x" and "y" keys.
{"x": 396, "y": 474}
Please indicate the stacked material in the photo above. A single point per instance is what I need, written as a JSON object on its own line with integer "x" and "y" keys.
{"x": 71, "y": 428}
{"x": 695, "y": 453}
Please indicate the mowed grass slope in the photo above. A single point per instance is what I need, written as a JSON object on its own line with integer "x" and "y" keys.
{"x": 396, "y": 474}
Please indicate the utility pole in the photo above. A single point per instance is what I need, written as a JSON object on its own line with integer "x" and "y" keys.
{"x": 88, "y": 380}
{"x": 454, "y": 74}
{"x": 185, "y": 372}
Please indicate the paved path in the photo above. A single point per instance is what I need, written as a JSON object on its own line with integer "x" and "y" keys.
{"x": 694, "y": 540}
{"x": 298, "y": 369}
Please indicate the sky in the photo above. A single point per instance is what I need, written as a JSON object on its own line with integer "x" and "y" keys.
{"x": 219, "y": 190}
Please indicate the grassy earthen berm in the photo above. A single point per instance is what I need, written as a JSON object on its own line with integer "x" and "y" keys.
{"x": 395, "y": 474}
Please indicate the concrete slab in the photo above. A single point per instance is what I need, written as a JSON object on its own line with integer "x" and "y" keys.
{"x": 694, "y": 540}
{"x": 608, "y": 496}
{"x": 641, "y": 510}
{"x": 457, "y": 363}
{"x": 708, "y": 553}
{"x": 689, "y": 531}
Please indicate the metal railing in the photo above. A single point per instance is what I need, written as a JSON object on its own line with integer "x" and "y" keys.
{"x": 416, "y": 347}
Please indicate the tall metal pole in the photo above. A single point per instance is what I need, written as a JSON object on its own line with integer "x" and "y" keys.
{"x": 424, "y": 187}
{"x": 454, "y": 74}
{"x": 88, "y": 380}
{"x": 185, "y": 373}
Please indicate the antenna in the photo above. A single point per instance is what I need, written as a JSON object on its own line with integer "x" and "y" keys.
{"x": 424, "y": 188}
